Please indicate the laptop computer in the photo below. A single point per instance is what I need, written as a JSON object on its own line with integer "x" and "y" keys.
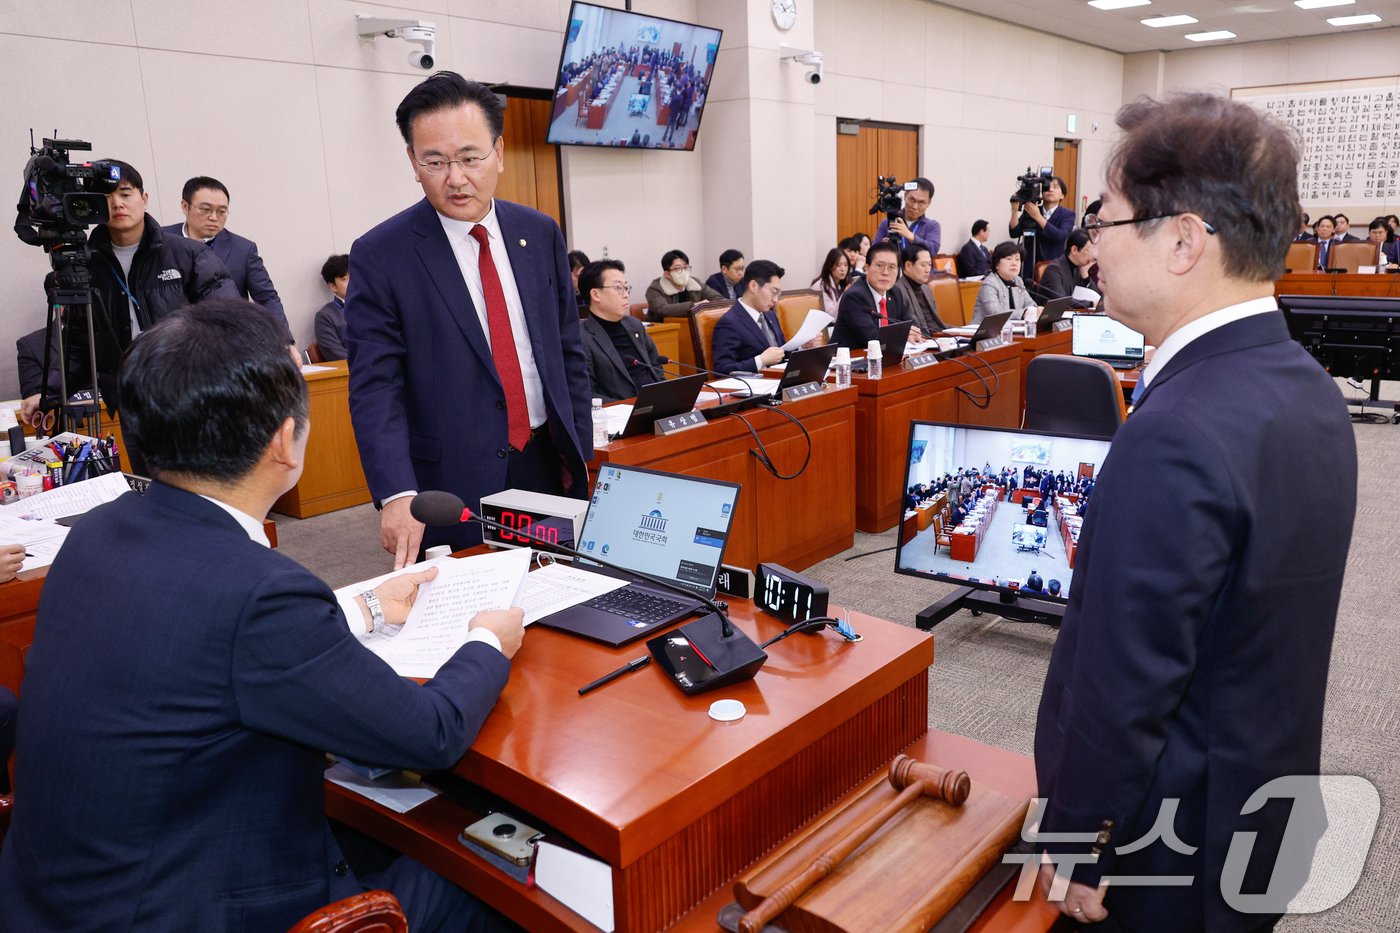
{"x": 805, "y": 366}
{"x": 1055, "y": 310}
{"x": 661, "y": 400}
{"x": 1100, "y": 337}
{"x": 893, "y": 337}
{"x": 662, "y": 524}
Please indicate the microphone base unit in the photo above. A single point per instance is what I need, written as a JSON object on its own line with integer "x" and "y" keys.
{"x": 734, "y": 407}
{"x": 699, "y": 657}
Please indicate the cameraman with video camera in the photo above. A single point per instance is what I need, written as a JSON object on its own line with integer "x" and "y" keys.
{"x": 912, "y": 227}
{"x": 139, "y": 275}
{"x": 1036, "y": 216}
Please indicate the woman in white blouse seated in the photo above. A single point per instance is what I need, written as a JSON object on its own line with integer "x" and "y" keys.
{"x": 1002, "y": 289}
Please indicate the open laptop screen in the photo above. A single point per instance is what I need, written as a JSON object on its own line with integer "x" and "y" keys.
{"x": 1101, "y": 337}
{"x": 669, "y": 526}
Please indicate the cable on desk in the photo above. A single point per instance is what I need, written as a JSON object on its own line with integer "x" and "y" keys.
{"x": 988, "y": 391}
{"x": 761, "y": 454}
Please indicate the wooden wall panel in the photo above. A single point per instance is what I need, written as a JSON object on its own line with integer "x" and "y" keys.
{"x": 532, "y": 165}
{"x": 878, "y": 150}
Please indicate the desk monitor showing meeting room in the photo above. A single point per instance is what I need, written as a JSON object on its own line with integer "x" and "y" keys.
{"x": 699, "y": 656}
{"x": 1013, "y": 545}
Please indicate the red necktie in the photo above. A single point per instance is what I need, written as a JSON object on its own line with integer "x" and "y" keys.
{"x": 884, "y": 315}
{"x": 502, "y": 343}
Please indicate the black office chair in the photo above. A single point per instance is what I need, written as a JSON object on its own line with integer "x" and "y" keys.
{"x": 1073, "y": 395}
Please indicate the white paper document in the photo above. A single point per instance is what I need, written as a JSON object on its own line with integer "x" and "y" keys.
{"x": 559, "y": 586}
{"x": 398, "y": 791}
{"x": 40, "y": 536}
{"x": 437, "y": 624}
{"x": 1086, "y": 295}
{"x": 617, "y": 416}
{"x": 75, "y": 498}
{"x": 582, "y": 884}
{"x": 746, "y": 386}
{"x": 313, "y": 368}
{"x": 815, "y": 322}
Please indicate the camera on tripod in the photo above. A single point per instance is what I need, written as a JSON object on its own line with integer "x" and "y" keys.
{"x": 1032, "y": 185}
{"x": 889, "y": 199}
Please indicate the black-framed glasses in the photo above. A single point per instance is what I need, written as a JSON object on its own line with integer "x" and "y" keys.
{"x": 1093, "y": 225}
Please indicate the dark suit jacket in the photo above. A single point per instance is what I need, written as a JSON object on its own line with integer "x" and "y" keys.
{"x": 973, "y": 260}
{"x": 29, "y": 354}
{"x": 1391, "y": 251}
{"x": 170, "y": 746}
{"x": 720, "y": 284}
{"x": 925, "y": 312}
{"x": 858, "y": 318}
{"x": 426, "y": 403}
{"x": 330, "y": 330}
{"x": 1192, "y": 661}
{"x": 737, "y": 339}
{"x": 1059, "y": 279}
{"x": 607, "y": 372}
{"x": 1050, "y": 239}
{"x": 246, "y": 268}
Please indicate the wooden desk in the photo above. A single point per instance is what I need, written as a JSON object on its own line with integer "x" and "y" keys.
{"x": 333, "y": 478}
{"x": 886, "y": 406}
{"x": 1322, "y": 283}
{"x": 968, "y": 292}
{"x": 637, "y": 773}
{"x": 790, "y": 522}
{"x": 19, "y": 605}
{"x": 667, "y": 338}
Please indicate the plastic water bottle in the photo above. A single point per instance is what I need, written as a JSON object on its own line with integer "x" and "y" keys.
{"x": 1032, "y": 316}
{"x": 600, "y": 424}
{"x": 843, "y": 367}
{"x": 874, "y": 360}
{"x": 1006, "y": 332}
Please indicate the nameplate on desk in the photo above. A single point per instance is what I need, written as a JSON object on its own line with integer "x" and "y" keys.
{"x": 921, "y": 360}
{"x": 734, "y": 581}
{"x": 794, "y": 393}
{"x": 984, "y": 345}
{"x": 674, "y": 424}
{"x": 1060, "y": 325}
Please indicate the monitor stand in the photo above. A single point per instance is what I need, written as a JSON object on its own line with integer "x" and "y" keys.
{"x": 1014, "y": 608}
{"x": 1374, "y": 402}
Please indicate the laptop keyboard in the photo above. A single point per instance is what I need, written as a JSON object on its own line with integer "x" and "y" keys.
{"x": 635, "y": 604}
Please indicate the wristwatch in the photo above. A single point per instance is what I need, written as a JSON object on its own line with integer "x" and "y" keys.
{"x": 376, "y": 615}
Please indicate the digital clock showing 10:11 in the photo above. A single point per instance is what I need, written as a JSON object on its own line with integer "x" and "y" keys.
{"x": 526, "y": 528}
{"x": 790, "y": 596}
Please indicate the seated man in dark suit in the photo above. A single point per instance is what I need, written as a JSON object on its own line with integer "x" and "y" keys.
{"x": 1389, "y": 253}
{"x": 749, "y": 336}
{"x": 913, "y": 289}
{"x": 731, "y": 273}
{"x": 868, "y": 305}
{"x": 1070, "y": 271}
{"x": 29, "y": 355}
{"x": 974, "y": 261}
{"x": 330, "y": 319}
{"x": 621, "y": 356}
{"x": 171, "y": 747}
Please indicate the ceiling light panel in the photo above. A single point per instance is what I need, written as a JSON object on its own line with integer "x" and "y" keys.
{"x": 1160, "y": 21}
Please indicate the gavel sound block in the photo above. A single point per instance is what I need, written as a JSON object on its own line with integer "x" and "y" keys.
{"x": 895, "y": 855}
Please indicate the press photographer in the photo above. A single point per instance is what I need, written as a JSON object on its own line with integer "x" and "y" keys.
{"x": 905, "y": 223}
{"x": 137, "y": 274}
{"x": 1037, "y": 217}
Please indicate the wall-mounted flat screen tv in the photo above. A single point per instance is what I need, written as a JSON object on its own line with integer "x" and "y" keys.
{"x": 631, "y": 80}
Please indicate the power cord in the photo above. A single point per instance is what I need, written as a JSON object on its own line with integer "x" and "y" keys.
{"x": 987, "y": 391}
{"x": 761, "y": 454}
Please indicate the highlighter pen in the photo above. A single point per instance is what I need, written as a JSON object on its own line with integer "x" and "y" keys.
{"x": 609, "y": 677}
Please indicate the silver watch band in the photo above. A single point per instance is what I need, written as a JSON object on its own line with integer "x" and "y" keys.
{"x": 376, "y": 611}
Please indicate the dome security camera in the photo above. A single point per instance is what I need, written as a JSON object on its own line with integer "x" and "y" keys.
{"x": 422, "y": 60}
{"x": 416, "y": 32}
{"x": 815, "y": 77}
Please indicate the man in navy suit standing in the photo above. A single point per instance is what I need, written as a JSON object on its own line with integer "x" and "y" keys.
{"x": 467, "y": 370}
{"x": 1198, "y": 603}
{"x": 171, "y": 745}
{"x": 749, "y": 336}
{"x": 205, "y": 203}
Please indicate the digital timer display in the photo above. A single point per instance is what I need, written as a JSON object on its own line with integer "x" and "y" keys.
{"x": 788, "y": 595}
{"x": 522, "y": 528}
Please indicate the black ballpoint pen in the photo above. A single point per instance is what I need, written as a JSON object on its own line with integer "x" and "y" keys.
{"x": 609, "y": 677}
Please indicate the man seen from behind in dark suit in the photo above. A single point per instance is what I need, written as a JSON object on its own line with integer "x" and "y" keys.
{"x": 171, "y": 746}
{"x": 467, "y": 371}
{"x": 1197, "y": 603}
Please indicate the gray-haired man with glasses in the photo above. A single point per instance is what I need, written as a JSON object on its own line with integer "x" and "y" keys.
{"x": 621, "y": 357}
{"x": 467, "y": 370}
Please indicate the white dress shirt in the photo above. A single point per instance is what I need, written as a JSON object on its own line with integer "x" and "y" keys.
{"x": 1201, "y": 326}
{"x": 757, "y": 318}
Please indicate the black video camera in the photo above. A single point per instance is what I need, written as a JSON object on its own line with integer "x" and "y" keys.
{"x": 1032, "y": 185}
{"x": 889, "y": 199}
{"x": 61, "y": 199}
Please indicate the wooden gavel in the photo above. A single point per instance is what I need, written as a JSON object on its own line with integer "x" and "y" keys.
{"x": 913, "y": 779}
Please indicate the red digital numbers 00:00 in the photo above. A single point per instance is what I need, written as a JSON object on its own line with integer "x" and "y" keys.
{"x": 526, "y": 530}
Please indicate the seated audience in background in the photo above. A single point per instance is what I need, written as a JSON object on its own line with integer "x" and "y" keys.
{"x": 1045, "y": 226}
{"x": 1304, "y": 230}
{"x": 731, "y": 271}
{"x": 1323, "y": 230}
{"x": 914, "y": 291}
{"x": 1343, "y": 234}
{"x": 871, "y": 303}
{"x": 621, "y": 357}
{"x": 1034, "y": 583}
{"x": 1002, "y": 289}
{"x": 197, "y": 801}
{"x": 835, "y": 276}
{"x": 856, "y": 246}
{"x": 577, "y": 260}
{"x": 330, "y": 320}
{"x": 1070, "y": 271}
{"x": 205, "y": 203}
{"x": 1387, "y": 244}
{"x": 1053, "y": 587}
{"x": 1393, "y": 223}
{"x": 973, "y": 259}
{"x": 749, "y": 336}
{"x": 676, "y": 290}
{"x": 913, "y": 227}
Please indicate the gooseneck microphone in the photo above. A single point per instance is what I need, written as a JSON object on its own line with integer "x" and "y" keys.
{"x": 729, "y": 655}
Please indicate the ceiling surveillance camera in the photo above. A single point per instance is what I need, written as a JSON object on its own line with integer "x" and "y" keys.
{"x": 809, "y": 57}
{"x": 815, "y": 77}
{"x": 410, "y": 30}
